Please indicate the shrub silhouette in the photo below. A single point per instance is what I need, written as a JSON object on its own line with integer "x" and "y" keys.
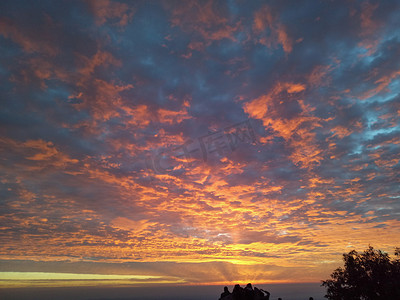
{"x": 370, "y": 275}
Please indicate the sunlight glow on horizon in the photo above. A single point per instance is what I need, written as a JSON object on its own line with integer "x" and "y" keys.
{"x": 65, "y": 276}
{"x": 52, "y": 279}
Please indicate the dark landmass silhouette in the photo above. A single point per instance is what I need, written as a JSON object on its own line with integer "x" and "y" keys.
{"x": 246, "y": 293}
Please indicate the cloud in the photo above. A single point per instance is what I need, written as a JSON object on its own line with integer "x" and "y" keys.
{"x": 100, "y": 101}
{"x": 296, "y": 127}
{"x": 171, "y": 117}
{"x": 266, "y": 20}
{"x": 38, "y": 154}
{"x": 207, "y": 20}
{"x": 112, "y": 11}
{"x": 31, "y": 41}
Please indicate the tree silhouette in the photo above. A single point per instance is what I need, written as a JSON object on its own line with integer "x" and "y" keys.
{"x": 371, "y": 275}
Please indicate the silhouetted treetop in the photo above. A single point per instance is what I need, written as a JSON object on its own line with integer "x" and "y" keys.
{"x": 368, "y": 275}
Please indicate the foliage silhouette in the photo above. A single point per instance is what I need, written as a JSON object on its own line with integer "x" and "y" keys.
{"x": 371, "y": 275}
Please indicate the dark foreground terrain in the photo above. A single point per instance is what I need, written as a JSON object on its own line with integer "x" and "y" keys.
{"x": 284, "y": 291}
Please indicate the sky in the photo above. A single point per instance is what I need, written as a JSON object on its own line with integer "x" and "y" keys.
{"x": 196, "y": 142}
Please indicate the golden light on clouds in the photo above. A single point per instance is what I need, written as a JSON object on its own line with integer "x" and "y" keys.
{"x": 185, "y": 144}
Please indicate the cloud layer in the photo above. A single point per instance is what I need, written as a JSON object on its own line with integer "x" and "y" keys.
{"x": 122, "y": 139}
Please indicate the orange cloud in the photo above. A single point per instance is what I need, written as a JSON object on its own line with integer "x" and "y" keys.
{"x": 138, "y": 116}
{"x": 368, "y": 24}
{"x": 131, "y": 225}
{"x": 382, "y": 84}
{"x": 369, "y": 27}
{"x": 37, "y": 70}
{"x": 43, "y": 154}
{"x": 341, "y": 131}
{"x": 106, "y": 10}
{"x": 264, "y": 19}
{"x": 297, "y": 130}
{"x": 172, "y": 117}
{"x": 102, "y": 98}
{"x": 99, "y": 59}
{"x": 202, "y": 18}
{"x": 31, "y": 42}
{"x": 319, "y": 76}
{"x": 295, "y": 88}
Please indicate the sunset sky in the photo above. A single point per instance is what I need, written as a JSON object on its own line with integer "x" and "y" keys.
{"x": 196, "y": 142}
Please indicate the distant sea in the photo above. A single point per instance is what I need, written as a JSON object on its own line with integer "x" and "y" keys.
{"x": 297, "y": 291}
